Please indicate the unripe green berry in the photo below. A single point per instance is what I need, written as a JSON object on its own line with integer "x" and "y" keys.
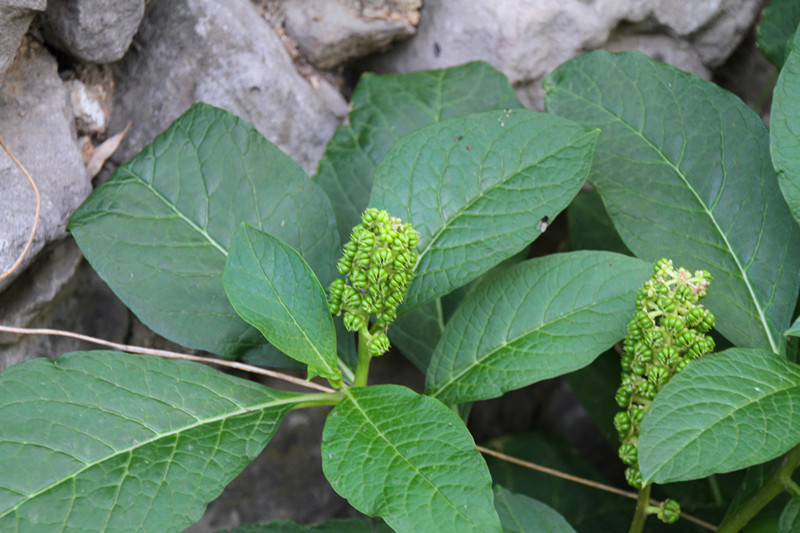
{"x": 623, "y": 396}
{"x": 634, "y": 477}
{"x": 622, "y": 422}
{"x": 666, "y": 304}
{"x": 638, "y": 366}
{"x": 344, "y": 266}
{"x": 658, "y": 375}
{"x": 628, "y": 453}
{"x": 643, "y": 320}
{"x": 636, "y": 414}
{"x": 634, "y": 331}
{"x": 626, "y": 361}
{"x": 667, "y": 356}
{"x": 382, "y": 257}
{"x": 681, "y": 365}
{"x": 378, "y": 345}
{"x": 353, "y": 322}
{"x": 670, "y": 511}
{"x": 646, "y": 389}
{"x": 673, "y": 324}
{"x": 653, "y": 337}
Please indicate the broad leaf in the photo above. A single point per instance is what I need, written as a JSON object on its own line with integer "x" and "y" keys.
{"x": 684, "y": 170}
{"x": 159, "y": 229}
{"x": 790, "y": 517}
{"x": 272, "y": 288}
{"x": 726, "y": 411}
{"x": 475, "y": 189}
{"x": 386, "y": 107}
{"x": 408, "y": 459}
{"x": 120, "y": 442}
{"x": 590, "y": 228}
{"x": 349, "y": 525}
{"x": 541, "y": 319}
{"x": 778, "y": 24}
{"x": 785, "y": 128}
{"x": 521, "y": 514}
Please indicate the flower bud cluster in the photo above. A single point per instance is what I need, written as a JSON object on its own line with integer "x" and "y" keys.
{"x": 379, "y": 263}
{"x": 668, "y": 330}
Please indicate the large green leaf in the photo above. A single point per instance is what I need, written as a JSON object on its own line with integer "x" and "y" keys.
{"x": 106, "y": 441}
{"x": 387, "y": 107}
{"x": 726, "y": 411}
{"x": 408, "y": 459}
{"x": 778, "y": 24}
{"x": 785, "y": 128}
{"x": 159, "y": 229}
{"x": 684, "y": 170}
{"x": 272, "y": 288}
{"x": 475, "y": 188}
{"x": 521, "y": 514}
{"x": 543, "y": 318}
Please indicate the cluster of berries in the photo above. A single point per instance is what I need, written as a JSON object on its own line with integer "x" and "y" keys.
{"x": 379, "y": 263}
{"x": 668, "y": 330}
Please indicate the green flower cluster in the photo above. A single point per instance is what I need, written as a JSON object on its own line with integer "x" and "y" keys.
{"x": 379, "y": 263}
{"x": 668, "y": 330}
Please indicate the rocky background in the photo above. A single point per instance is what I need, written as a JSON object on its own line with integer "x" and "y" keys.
{"x": 75, "y": 73}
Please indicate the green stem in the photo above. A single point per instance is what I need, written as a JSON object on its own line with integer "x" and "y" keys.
{"x": 776, "y": 484}
{"x": 314, "y": 400}
{"x": 362, "y": 367}
{"x": 640, "y": 514}
{"x": 716, "y": 492}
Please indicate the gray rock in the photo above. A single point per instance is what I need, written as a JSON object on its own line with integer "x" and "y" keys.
{"x": 59, "y": 291}
{"x": 36, "y": 123}
{"x": 15, "y": 17}
{"x": 97, "y": 31}
{"x": 526, "y": 43}
{"x": 332, "y": 32}
{"x": 225, "y": 54}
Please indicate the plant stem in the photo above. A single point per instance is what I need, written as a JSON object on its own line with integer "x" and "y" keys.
{"x": 640, "y": 514}
{"x": 362, "y": 367}
{"x": 776, "y": 484}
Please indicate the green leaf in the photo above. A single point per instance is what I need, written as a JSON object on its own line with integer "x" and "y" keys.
{"x": 386, "y": 107}
{"x": 521, "y": 514}
{"x": 684, "y": 170}
{"x": 794, "y": 331}
{"x": 159, "y": 229}
{"x": 726, "y": 411}
{"x": 590, "y": 228}
{"x": 120, "y": 442}
{"x": 785, "y": 128}
{"x": 538, "y": 320}
{"x": 475, "y": 188}
{"x": 790, "y": 517}
{"x": 417, "y": 332}
{"x": 272, "y": 288}
{"x": 408, "y": 459}
{"x": 349, "y": 525}
{"x": 778, "y": 24}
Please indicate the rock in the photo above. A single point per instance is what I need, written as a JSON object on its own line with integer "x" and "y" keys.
{"x": 87, "y": 107}
{"x": 225, "y": 54}
{"x": 36, "y": 124}
{"x": 527, "y": 42}
{"x": 15, "y": 17}
{"x": 332, "y": 32}
{"x": 58, "y": 291}
{"x": 97, "y": 31}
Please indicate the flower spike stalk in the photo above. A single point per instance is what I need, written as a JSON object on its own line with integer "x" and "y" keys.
{"x": 666, "y": 333}
{"x": 379, "y": 261}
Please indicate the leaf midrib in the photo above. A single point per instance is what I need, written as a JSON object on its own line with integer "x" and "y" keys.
{"x": 710, "y": 215}
{"x": 483, "y": 192}
{"x": 511, "y": 342}
{"x": 200, "y": 422}
{"x": 399, "y": 454}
